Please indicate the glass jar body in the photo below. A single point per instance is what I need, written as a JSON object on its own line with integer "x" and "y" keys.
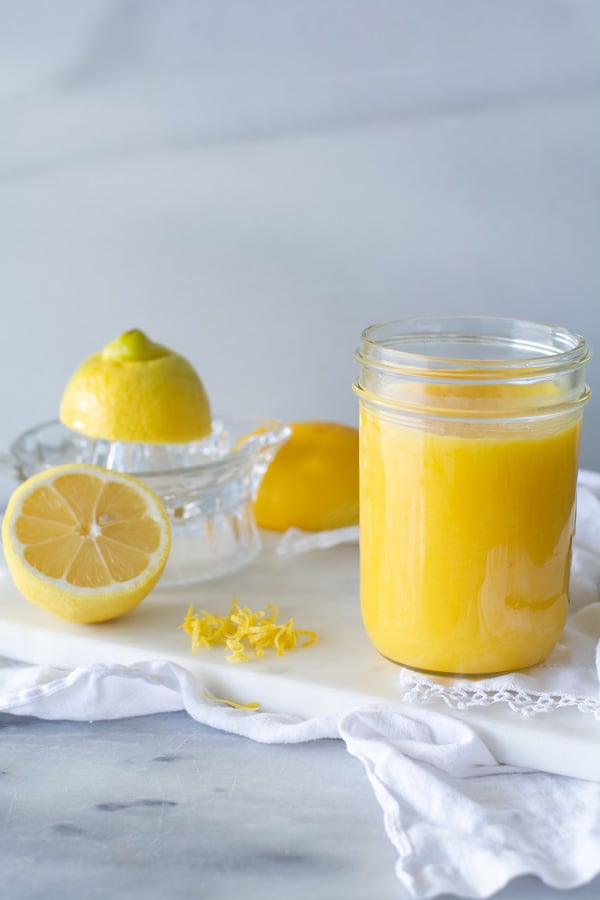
{"x": 469, "y": 457}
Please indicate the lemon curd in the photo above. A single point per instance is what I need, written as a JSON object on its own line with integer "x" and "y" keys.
{"x": 465, "y": 545}
{"x": 467, "y": 505}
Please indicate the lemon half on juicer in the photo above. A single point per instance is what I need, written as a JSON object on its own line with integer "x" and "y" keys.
{"x": 136, "y": 390}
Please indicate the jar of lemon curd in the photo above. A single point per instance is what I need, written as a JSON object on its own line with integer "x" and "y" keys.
{"x": 469, "y": 440}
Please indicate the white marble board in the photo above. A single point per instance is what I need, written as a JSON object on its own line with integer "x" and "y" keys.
{"x": 320, "y": 591}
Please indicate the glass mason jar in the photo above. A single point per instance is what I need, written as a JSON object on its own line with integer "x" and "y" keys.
{"x": 469, "y": 442}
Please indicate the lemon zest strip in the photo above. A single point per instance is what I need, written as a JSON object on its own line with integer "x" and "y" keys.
{"x": 243, "y": 631}
{"x": 232, "y": 703}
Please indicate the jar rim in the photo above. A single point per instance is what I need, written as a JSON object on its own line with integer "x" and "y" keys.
{"x": 401, "y": 344}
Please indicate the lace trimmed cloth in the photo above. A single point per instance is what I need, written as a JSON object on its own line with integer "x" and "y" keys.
{"x": 570, "y": 676}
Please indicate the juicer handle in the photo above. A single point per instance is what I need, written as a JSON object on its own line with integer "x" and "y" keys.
{"x": 8, "y": 467}
{"x": 268, "y": 444}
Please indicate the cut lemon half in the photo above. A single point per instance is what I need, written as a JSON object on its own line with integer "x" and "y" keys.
{"x": 85, "y": 543}
{"x": 136, "y": 390}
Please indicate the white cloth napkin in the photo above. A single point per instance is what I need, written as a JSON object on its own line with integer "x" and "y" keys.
{"x": 460, "y": 822}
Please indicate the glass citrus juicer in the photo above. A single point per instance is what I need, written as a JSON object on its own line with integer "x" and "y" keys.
{"x": 207, "y": 485}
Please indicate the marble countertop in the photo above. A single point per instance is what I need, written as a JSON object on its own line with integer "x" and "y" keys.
{"x": 160, "y": 806}
{"x": 253, "y": 184}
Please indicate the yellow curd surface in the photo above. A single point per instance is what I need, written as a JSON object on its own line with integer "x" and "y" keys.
{"x": 465, "y": 542}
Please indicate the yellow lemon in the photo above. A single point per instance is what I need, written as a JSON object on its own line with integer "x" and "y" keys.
{"x": 312, "y": 482}
{"x": 85, "y": 543}
{"x": 136, "y": 390}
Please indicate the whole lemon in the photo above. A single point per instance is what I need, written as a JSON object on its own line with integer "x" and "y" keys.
{"x": 136, "y": 390}
{"x": 312, "y": 482}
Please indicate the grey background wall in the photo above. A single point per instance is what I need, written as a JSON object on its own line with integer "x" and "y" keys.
{"x": 254, "y": 183}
